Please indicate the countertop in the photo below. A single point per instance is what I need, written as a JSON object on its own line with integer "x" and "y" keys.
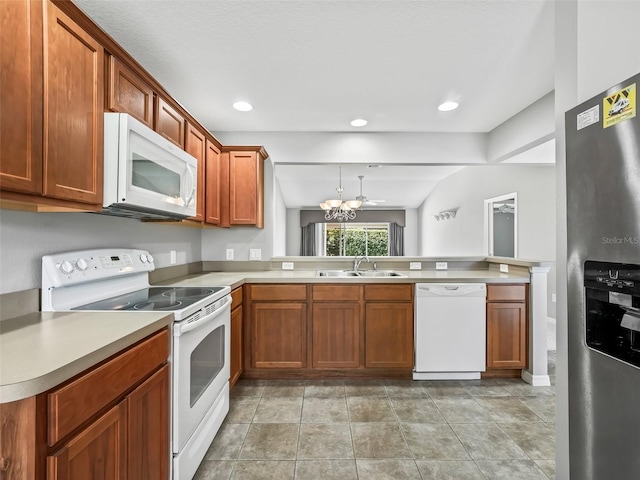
{"x": 236, "y": 279}
{"x": 41, "y": 350}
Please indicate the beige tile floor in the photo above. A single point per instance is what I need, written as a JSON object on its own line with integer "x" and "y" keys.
{"x": 341, "y": 429}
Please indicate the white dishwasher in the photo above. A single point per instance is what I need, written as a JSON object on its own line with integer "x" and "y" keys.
{"x": 450, "y": 331}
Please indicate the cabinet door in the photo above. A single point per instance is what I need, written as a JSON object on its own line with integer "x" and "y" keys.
{"x": 73, "y": 111}
{"x": 195, "y": 146}
{"x": 279, "y": 335}
{"x": 169, "y": 122}
{"x": 246, "y": 179}
{"x": 336, "y": 335}
{"x": 236, "y": 345}
{"x": 389, "y": 335}
{"x": 213, "y": 184}
{"x": 21, "y": 96}
{"x": 99, "y": 451}
{"x": 506, "y": 335}
{"x": 148, "y": 428}
{"x": 128, "y": 93}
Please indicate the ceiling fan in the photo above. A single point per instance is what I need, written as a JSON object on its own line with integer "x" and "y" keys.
{"x": 363, "y": 198}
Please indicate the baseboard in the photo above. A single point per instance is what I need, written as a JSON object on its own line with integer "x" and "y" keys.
{"x": 536, "y": 380}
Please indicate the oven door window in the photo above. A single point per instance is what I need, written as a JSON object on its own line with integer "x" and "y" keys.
{"x": 207, "y": 360}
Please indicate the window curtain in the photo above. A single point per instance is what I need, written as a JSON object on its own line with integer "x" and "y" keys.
{"x": 308, "y": 243}
{"x": 396, "y": 240}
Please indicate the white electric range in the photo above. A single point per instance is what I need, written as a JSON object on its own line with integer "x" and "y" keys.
{"x": 115, "y": 279}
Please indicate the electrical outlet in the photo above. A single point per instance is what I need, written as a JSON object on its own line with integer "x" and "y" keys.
{"x": 504, "y": 268}
{"x": 287, "y": 265}
{"x": 415, "y": 266}
{"x": 441, "y": 265}
{"x": 553, "y": 297}
{"x": 229, "y": 253}
{"x": 173, "y": 257}
{"x": 255, "y": 254}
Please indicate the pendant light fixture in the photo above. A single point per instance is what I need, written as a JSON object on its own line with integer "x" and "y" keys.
{"x": 336, "y": 209}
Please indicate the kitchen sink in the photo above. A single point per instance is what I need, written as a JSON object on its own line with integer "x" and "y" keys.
{"x": 379, "y": 273}
{"x": 359, "y": 273}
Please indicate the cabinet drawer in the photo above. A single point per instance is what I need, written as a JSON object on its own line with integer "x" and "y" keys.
{"x": 278, "y": 292}
{"x": 388, "y": 292}
{"x": 72, "y": 404}
{"x": 236, "y": 298}
{"x": 336, "y": 292}
{"x": 508, "y": 293}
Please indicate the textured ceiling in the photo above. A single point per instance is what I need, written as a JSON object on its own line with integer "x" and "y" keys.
{"x": 313, "y": 66}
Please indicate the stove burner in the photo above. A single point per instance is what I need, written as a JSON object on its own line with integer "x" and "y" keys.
{"x": 187, "y": 292}
{"x": 158, "y": 305}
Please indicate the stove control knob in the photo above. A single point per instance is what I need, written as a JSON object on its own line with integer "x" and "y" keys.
{"x": 150, "y": 258}
{"x": 66, "y": 267}
{"x": 143, "y": 258}
{"x": 81, "y": 264}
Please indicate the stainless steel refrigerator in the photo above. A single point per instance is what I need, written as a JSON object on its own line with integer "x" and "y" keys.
{"x": 603, "y": 210}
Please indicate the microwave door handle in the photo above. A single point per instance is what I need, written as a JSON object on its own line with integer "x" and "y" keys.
{"x": 187, "y": 200}
{"x": 180, "y": 329}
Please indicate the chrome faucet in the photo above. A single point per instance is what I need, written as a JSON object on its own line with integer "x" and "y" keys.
{"x": 357, "y": 260}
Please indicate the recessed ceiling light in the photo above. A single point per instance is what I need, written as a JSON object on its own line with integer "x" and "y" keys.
{"x": 243, "y": 106}
{"x": 447, "y": 106}
{"x": 358, "y": 122}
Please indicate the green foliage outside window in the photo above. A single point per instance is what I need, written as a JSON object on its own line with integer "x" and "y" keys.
{"x": 356, "y": 241}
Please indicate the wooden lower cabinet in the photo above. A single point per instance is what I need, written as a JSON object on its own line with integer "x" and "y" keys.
{"x": 123, "y": 432}
{"x": 506, "y": 335}
{"x": 148, "y": 415}
{"x": 318, "y": 330}
{"x": 99, "y": 451}
{"x": 237, "y": 350}
{"x": 388, "y": 335}
{"x": 336, "y": 335}
{"x": 279, "y": 335}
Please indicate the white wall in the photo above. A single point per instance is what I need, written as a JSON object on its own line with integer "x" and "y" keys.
{"x": 215, "y": 241}
{"x": 293, "y": 232}
{"x": 25, "y": 237}
{"x": 467, "y": 190}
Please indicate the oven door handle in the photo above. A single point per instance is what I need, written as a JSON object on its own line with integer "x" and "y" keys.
{"x": 180, "y": 328}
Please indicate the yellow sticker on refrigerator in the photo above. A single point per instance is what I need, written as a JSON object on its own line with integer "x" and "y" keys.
{"x": 619, "y": 106}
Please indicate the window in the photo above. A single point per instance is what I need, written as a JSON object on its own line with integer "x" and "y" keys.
{"x": 351, "y": 239}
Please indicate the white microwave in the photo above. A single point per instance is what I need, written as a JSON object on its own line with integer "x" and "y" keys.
{"x": 145, "y": 175}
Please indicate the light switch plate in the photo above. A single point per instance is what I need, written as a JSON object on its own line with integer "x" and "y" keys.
{"x": 287, "y": 265}
{"x": 415, "y": 265}
{"x": 441, "y": 265}
{"x": 173, "y": 257}
{"x": 504, "y": 268}
{"x": 229, "y": 253}
{"x": 553, "y": 297}
{"x": 255, "y": 254}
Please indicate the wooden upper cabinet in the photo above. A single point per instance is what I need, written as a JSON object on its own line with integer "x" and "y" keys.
{"x": 73, "y": 110}
{"x": 246, "y": 187}
{"x": 128, "y": 93}
{"x": 196, "y": 146}
{"x": 169, "y": 122}
{"x": 21, "y": 96}
{"x": 212, "y": 187}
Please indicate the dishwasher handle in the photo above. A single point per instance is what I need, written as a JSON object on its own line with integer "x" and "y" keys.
{"x": 451, "y": 290}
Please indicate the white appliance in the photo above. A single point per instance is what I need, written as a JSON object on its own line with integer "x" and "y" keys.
{"x": 450, "y": 331}
{"x": 145, "y": 175}
{"x": 117, "y": 279}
